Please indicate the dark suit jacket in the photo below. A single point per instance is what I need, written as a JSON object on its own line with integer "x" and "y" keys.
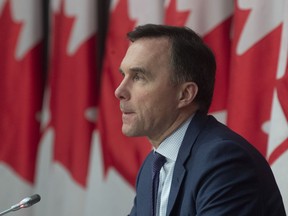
{"x": 217, "y": 172}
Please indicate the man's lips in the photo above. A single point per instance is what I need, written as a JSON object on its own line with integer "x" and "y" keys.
{"x": 127, "y": 116}
{"x": 125, "y": 110}
{"x": 126, "y": 113}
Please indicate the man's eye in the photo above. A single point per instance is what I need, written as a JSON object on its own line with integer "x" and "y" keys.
{"x": 136, "y": 77}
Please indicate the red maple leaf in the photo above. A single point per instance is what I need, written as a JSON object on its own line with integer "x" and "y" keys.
{"x": 282, "y": 89}
{"x": 252, "y": 83}
{"x": 21, "y": 89}
{"x": 283, "y": 147}
{"x": 123, "y": 153}
{"x": 174, "y": 17}
{"x": 219, "y": 41}
{"x": 282, "y": 92}
{"x": 72, "y": 81}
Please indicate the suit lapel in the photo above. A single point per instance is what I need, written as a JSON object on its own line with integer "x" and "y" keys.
{"x": 144, "y": 186}
{"x": 193, "y": 130}
{"x": 178, "y": 176}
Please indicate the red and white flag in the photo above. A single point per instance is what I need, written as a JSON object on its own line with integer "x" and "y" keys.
{"x": 87, "y": 169}
{"x": 258, "y": 81}
{"x": 251, "y": 69}
{"x": 21, "y": 89}
{"x": 122, "y": 156}
{"x": 69, "y": 109}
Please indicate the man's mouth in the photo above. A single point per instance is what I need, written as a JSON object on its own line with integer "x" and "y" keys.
{"x": 125, "y": 110}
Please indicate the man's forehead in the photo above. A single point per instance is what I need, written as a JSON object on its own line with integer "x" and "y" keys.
{"x": 148, "y": 48}
{"x": 146, "y": 55}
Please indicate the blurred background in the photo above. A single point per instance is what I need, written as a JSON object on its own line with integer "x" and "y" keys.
{"x": 60, "y": 124}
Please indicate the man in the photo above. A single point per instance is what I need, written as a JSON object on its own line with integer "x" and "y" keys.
{"x": 167, "y": 88}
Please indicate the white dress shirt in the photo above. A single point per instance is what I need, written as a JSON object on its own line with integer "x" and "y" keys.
{"x": 169, "y": 148}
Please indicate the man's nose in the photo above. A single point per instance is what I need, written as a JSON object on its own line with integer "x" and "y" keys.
{"x": 121, "y": 91}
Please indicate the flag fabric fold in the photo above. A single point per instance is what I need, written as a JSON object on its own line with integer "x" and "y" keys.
{"x": 21, "y": 92}
{"x": 69, "y": 110}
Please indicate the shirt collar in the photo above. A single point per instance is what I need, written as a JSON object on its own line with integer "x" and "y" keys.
{"x": 170, "y": 146}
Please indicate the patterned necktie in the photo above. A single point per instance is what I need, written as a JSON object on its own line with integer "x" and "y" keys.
{"x": 158, "y": 161}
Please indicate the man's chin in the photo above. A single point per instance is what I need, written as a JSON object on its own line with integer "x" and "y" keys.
{"x": 129, "y": 132}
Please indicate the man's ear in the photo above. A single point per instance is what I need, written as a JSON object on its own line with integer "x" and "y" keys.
{"x": 187, "y": 93}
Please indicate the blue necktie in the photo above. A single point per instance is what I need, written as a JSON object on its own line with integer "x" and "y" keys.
{"x": 158, "y": 161}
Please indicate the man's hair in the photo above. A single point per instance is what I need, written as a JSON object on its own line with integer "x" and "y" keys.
{"x": 191, "y": 59}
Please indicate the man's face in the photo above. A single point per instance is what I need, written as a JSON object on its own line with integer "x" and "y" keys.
{"x": 148, "y": 100}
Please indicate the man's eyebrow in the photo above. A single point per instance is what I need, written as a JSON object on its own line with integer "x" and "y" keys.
{"x": 141, "y": 70}
{"x": 137, "y": 70}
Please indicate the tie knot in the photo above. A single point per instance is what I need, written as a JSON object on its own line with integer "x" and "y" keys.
{"x": 158, "y": 161}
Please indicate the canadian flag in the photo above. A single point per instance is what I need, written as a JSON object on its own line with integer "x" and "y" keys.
{"x": 21, "y": 89}
{"x": 259, "y": 81}
{"x": 77, "y": 159}
{"x": 122, "y": 156}
{"x": 249, "y": 39}
{"x": 69, "y": 109}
